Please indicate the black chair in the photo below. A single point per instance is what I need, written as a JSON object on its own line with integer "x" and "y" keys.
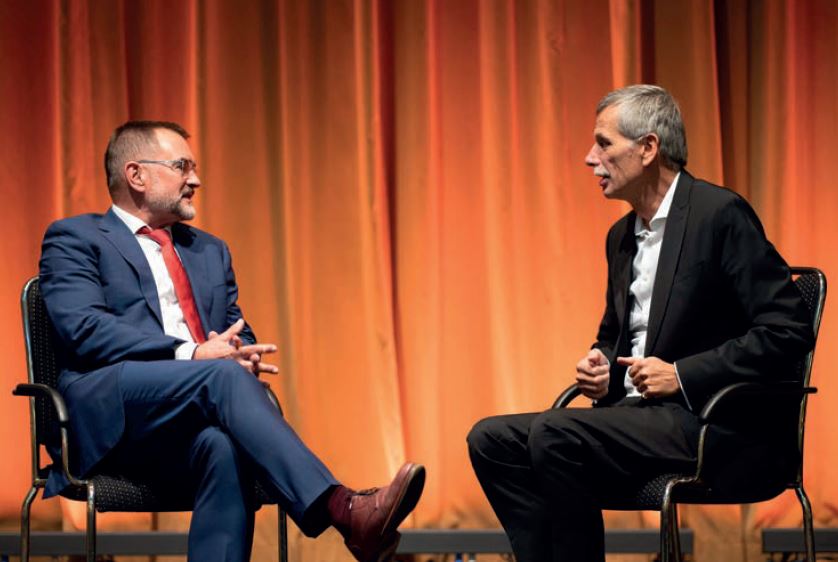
{"x": 785, "y": 404}
{"x": 49, "y": 424}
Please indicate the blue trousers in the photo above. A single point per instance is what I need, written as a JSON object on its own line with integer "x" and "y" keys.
{"x": 211, "y": 426}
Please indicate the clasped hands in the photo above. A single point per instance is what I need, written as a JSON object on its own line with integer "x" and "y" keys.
{"x": 652, "y": 377}
{"x": 228, "y": 345}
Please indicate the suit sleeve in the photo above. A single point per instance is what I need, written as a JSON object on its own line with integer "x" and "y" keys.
{"x": 233, "y": 310}
{"x": 609, "y": 329}
{"x": 73, "y": 292}
{"x": 780, "y": 331}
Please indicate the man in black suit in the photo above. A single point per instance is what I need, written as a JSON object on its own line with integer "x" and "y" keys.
{"x": 697, "y": 299}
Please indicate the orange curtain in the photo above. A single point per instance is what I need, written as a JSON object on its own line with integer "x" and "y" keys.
{"x": 402, "y": 186}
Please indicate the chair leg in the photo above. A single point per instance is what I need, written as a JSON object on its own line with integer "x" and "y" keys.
{"x": 670, "y": 538}
{"x": 665, "y": 535}
{"x": 90, "y": 532}
{"x": 25, "y": 520}
{"x": 283, "y": 534}
{"x": 676, "y": 533}
{"x": 808, "y": 525}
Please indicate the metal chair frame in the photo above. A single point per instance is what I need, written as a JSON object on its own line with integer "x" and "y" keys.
{"x": 48, "y": 412}
{"x": 679, "y": 487}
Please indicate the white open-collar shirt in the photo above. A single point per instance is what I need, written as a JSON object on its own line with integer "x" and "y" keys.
{"x": 644, "y": 271}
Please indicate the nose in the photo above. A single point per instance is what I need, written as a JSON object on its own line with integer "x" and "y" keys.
{"x": 592, "y": 158}
{"x": 192, "y": 180}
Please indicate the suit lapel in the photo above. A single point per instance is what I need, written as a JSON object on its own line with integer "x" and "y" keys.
{"x": 126, "y": 244}
{"x": 676, "y": 224}
{"x": 196, "y": 269}
{"x": 622, "y": 265}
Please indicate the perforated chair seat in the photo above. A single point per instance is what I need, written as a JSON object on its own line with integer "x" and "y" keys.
{"x": 116, "y": 493}
{"x": 649, "y": 496}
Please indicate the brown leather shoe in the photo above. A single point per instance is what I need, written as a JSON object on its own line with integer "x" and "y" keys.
{"x": 374, "y": 515}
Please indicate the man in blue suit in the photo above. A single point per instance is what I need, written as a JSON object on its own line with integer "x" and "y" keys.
{"x": 160, "y": 370}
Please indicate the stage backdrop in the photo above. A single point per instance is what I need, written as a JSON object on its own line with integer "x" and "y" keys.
{"x": 403, "y": 189}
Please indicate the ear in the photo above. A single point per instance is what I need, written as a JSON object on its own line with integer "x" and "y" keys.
{"x": 649, "y": 148}
{"x": 135, "y": 179}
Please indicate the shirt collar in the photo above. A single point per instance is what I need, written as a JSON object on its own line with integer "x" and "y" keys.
{"x": 663, "y": 209}
{"x": 133, "y": 223}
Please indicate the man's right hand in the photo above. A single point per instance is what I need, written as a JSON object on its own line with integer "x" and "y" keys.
{"x": 227, "y": 345}
{"x": 593, "y": 374}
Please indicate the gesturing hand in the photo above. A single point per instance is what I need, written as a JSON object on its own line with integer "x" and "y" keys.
{"x": 228, "y": 345}
{"x": 652, "y": 377}
{"x": 593, "y": 374}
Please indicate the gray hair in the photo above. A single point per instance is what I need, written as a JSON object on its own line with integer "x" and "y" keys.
{"x": 645, "y": 109}
{"x": 129, "y": 141}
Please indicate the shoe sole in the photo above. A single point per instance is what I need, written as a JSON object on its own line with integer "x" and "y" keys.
{"x": 385, "y": 555}
{"x": 404, "y": 504}
{"x": 390, "y": 551}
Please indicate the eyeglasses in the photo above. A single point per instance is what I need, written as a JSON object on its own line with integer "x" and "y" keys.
{"x": 183, "y": 165}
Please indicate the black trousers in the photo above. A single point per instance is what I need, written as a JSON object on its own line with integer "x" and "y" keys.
{"x": 546, "y": 474}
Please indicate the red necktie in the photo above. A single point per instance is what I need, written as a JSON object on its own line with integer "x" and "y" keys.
{"x": 183, "y": 289}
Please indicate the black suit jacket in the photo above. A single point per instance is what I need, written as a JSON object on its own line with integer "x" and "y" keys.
{"x": 723, "y": 307}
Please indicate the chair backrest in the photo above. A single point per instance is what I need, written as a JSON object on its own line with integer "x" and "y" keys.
{"x": 811, "y": 283}
{"x": 41, "y": 362}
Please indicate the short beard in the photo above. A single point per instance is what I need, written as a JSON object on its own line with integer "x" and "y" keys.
{"x": 178, "y": 207}
{"x": 184, "y": 210}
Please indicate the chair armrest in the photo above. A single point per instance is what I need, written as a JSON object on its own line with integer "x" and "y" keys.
{"x": 746, "y": 405}
{"x": 732, "y": 392}
{"x": 44, "y": 391}
{"x": 718, "y": 400}
{"x": 567, "y": 396}
{"x": 41, "y": 390}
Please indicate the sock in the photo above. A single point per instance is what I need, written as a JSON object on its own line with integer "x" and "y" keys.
{"x": 338, "y": 509}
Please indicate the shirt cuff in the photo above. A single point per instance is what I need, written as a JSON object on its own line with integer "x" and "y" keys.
{"x": 185, "y": 351}
{"x": 683, "y": 392}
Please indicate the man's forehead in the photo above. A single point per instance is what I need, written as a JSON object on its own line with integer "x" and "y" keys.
{"x": 606, "y": 123}
{"x": 172, "y": 142}
{"x": 606, "y": 116}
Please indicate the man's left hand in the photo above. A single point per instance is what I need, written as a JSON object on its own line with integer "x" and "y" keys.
{"x": 250, "y": 357}
{"x": 228, "y": 345}
{"x": 652, "y": 377}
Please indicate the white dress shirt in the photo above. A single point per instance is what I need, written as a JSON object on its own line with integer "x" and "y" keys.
{"x": 644, "y": 271}
{"x": 174, "y": 323}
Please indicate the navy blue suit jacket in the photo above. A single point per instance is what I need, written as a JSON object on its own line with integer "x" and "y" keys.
{"x": 101, "y": 297}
